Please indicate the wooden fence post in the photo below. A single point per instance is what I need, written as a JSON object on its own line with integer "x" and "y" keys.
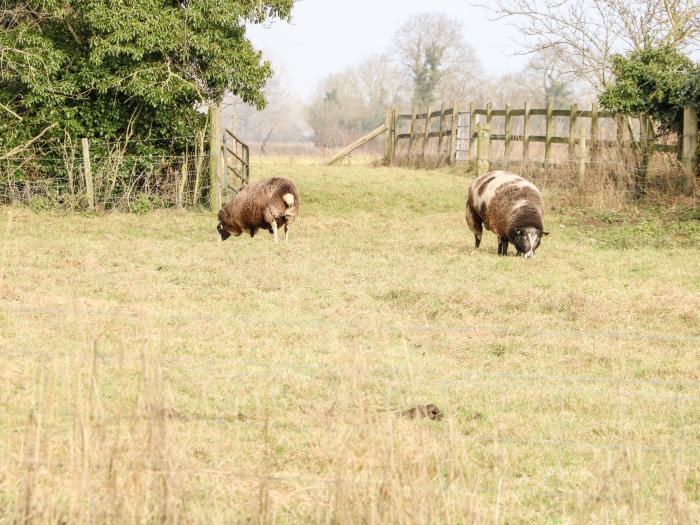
{"x": 223, "y": 169}
{"x": 620, "y": 130}
{"x": 594, "y": 131}
{"x": 573, "y": 118}
{"x": 245, "y": 170}
{"x": 395, "y": 135}
{"x": 473, "y": 132}
{"x": 441, "y": 130}
{"x": 411, "y": 132}
{"x": 489, "y": 125}
{"x": 225, "y": 162}
{"x": 548, "y": 135}
{"x": 180, "y": 195}
{"x": 582, "y": 157}
{"x": 508, "y": 134}
{"x": 690, "y": 140}
{"x": 426, "y": 131}
{"x": 526, "y": 132}
{"x": 482, "y": 152}
{"x": 215, "y": 140}
{"x": 640, "y": 174}
{"x": 454, "y": 133}
{"x": 651, "y": 148}
{"x": 88, "y": 175}
{"x": 389, "y": 139}
{"x": 198, "y": 163}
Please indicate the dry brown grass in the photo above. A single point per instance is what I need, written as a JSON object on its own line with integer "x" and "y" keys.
{"x": 152, "y": 374}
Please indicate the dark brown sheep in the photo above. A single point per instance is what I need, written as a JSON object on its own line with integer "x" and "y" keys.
{"x": 509, "y": 206}
{"x": 268, "y": 204}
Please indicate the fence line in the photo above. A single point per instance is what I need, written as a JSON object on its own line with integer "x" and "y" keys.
{"x": 222, "y": 170}
{"x": 582, "y": 141}
{"x": 172, "y": 189}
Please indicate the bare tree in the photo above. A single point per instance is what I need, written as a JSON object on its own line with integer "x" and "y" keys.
{"x": 432, "y": 52}
{"x": 554, "y": 81}
{"x": 583, "y": 35}
{"x": 281, "y": 121}
{"x": 353, "y": 102}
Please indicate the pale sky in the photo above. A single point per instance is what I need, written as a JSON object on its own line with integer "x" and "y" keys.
{"x": 326, "y": 36}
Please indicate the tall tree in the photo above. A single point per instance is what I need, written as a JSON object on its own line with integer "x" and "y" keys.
{"x": 431, "y": 50}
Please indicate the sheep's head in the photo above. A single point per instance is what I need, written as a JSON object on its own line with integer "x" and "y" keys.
{"x": 526, "y": 240}
{"x": 223, "y": 232}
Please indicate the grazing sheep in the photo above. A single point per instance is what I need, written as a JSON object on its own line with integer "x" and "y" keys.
{"x": 267, "y": 204}
{"x": 509, "y": 206}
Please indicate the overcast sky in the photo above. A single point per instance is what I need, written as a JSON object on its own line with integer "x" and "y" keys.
{"x": 326, "y": 36}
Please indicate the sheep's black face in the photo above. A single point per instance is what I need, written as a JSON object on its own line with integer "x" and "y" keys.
{"x": 526, "y": 240}
{"x": 224, "y": 234}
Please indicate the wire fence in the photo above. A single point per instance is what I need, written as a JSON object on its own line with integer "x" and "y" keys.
{"x": 168, "y": 189}
{"x": 125, "y": 180}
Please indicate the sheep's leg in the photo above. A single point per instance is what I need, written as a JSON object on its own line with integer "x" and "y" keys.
{"x": 476, "y": 225}
{"x": 286, "y": 232}
{"x": 475, "y": 222}
{"x": 274, "y": 230}
{"x": 503, "y": 246}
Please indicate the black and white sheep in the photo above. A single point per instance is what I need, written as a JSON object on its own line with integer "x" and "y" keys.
{"x": 268, "y": 204}
{"x": 509, "y": 206}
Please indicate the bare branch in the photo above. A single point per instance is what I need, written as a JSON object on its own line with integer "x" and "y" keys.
{"x": 25, "y": 146}
{"x": 585, "y": 34}
{"x": 3, "y": 106}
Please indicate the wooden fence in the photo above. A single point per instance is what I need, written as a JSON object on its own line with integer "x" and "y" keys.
{"x": 419, "y": 134}
{"x": 450, "y": 136}
{"x": 229, "y": 162}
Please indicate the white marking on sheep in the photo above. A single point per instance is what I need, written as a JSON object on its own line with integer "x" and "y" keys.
{"x": 501, "y": 178}
{"x": 521, "y": 203}
{"x": 532, "y": 237}
{"x": 288, "y": 198}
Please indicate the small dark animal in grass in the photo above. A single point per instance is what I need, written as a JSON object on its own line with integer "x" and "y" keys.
{"x": 430, "y": 411}
{"x": 268, "y": 204}
{"x": 509, "y": 206}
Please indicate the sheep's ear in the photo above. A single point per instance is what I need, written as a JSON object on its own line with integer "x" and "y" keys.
{"x": 544, "y": 234}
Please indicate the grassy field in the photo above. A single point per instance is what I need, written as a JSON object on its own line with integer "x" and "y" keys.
{"x": 149, "y": 373}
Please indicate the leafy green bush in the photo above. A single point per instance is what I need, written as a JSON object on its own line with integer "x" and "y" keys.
{"x": 657, "y": 81}
{"x": 108, "y": 69}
